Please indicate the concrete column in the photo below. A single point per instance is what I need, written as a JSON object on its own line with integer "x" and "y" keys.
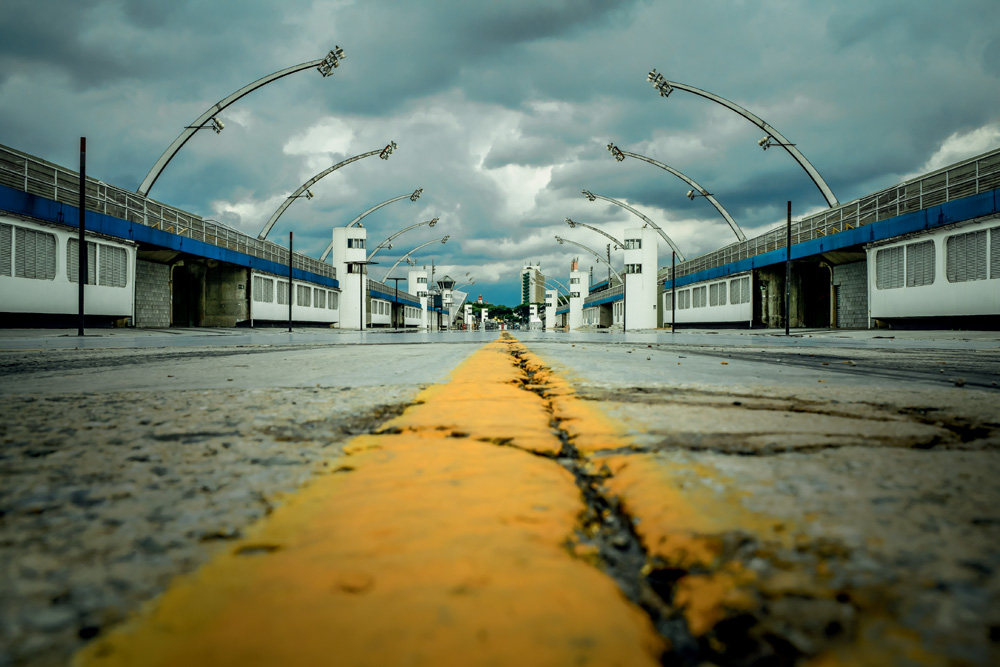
{"x": 349, "y": 246}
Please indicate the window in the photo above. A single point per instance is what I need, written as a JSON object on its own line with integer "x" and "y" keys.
{"x": 698, "y": 297}
{"x": 575, "y": 295}
{"x": 633, "y": 268}
{"x": 34, "y": 254}
{"x": 717, "y": 294}
{"x": 966, "y": 257}
{"x": 263, "y": 289}
{"x": 73, "y": 261}
{"x": 421, "y": 280}
{"x": 995, "y": 253}
{"x": 355, "y": 243}
{"x": 319, "y": 298}
{"x": 303, "y": 295}
{"x": 668, "y": 301}
{"x": 739, "y": 291}
{"x": 6, "y": 246}
{"x": 633, "y": 244}
{"x": 889, "y": 268}
{"x": 920, "y": 264}
{"x": 421, "y": 293}
{"x": 574, "y": 281}
{"x": 333, "y": 301}
{"x": 684, "y": 299}
{"x": 114, "y": 265}
{"x": 283, "y": 292}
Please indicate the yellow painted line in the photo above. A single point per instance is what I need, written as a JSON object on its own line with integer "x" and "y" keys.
{"x": 426, "y": 549}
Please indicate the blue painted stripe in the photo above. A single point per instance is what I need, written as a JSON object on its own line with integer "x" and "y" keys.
{"x": 42, "y": 208}
{"x": 967, "y": 208}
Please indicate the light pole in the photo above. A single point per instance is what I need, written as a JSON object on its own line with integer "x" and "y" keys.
{"x": 424, "y": 245}
{"x": 592, "y": 197}
{"x": 697, "y": 190}
{"x": 773, "y": 138}
{"x": 601, "y": 259}
{"x": 382, "y": 153}
{"x": 387, "y": 244}
{"x": 210, "y": 120}
{"x": 412, "y": 197}
{"x": 574, "y": 224}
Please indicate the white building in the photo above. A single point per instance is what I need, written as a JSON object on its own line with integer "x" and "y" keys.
{"x": 532, "y": 284}
{"x": 416, "y": 284}
{"x": 640, "y": 278}
{"x": 349, "y": 246}
{"x": 579, "y": 290}
{"x": 551, "y": 303}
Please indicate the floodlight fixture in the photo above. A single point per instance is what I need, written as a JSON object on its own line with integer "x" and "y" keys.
{"x": 387, "y": 151}
{"x": 217, "y": 124}
{"x": 616, "y": 152}
{"x": 416, "y": 194}
{"x": 589, "y": 195}
{"x": 331, "y": 61}
{"x": 661, "y": 84}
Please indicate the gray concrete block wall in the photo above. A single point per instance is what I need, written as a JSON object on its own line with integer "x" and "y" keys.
{"x": 152, "y": 294}
{"x": 851, "y": 281}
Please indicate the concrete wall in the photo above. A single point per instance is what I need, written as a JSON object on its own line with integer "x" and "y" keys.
{"x": 225, "y": 296}
{"x": 152, "y": 294}
{"x": 851, "y": 283}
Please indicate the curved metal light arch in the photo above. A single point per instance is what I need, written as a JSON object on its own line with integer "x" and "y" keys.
{"x": 423, "y": 245}
{"x": 574, "y": 223}
{"x": 308, "y": 184}
{"x": 702, "y": 191}
{"x": 324, "y": 65}
{"x": 413, "y": 197}
{"x": 595, "y": 254}
{"x": 565, "y": 289}
{"x": 665, "y": 87}
{"x": 591, "y": 196}
{"x": 388, "y": 242}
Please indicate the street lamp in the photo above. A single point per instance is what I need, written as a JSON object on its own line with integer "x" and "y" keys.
{"x": 592, "y": 197}
{"x": 698, "y": 190}
{"x": 388, "y": 242}
{"x": 574, "y": 224}
{"x": 209, "y": 120}
{"x": 424, "y": 245}
{"x": 308, "y": 184}
{"x": 773, "y": 138}
{"x": 357, "y": 221}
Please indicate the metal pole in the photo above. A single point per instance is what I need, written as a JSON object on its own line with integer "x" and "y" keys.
{"x": 673, "y": 292}
{"x": 82, "y": 275}
{"x": 788, "y": 267}
{"x": 290, "y": 292}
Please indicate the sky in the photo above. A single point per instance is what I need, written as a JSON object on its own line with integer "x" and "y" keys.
{"x": 502, "y": 112}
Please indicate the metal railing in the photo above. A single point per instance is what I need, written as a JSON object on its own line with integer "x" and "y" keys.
{"x": 603, "y": 294}
{"x": 975, "y": 175}
{"x": 375, "y": 287}
{"x": 29, "y": 174}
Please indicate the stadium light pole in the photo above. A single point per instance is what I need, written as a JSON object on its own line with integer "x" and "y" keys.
{"x": 696, "y": 191}
{"x": 387, "y": 244}
{"x": 592, "y": 197}
{"x": 424, "y": 245}
{"x": 773, "y": 137}
{"x": 210, "y": 119}
{"x": 574, "y": 224}
{"x": 383, "y": 153}
{"x": 357, "y": 221}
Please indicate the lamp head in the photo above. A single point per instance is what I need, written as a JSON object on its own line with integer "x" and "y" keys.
{"x": 560, "y": 240}
{"x": 589, "y": 195}
{"x": 764, "y": 142}
{"x": 571, "y": 223}
{"x": 445, "y": 239}
{"x": 217, "y": 125}
{"x": 387, "y": 151}
{"x": 416, "y": 194}
{"x": 690, "y": 195}
{"x": 309, "y": 194}
{"x": 331, "y": 61}
{"x": 616, "y": 152}
{"x": 433, "y": 222}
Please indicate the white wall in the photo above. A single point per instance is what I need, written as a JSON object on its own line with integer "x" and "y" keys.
{"x": 640, "y": 279}
{"x": 736, "y": 287}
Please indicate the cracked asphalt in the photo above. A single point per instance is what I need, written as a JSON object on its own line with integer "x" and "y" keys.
{"x": 758, "y": 500}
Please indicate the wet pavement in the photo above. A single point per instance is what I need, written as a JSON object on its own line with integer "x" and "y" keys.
{"x": 586, "y": 498}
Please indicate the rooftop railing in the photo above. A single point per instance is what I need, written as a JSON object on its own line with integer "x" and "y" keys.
{"x": 975, "y": 175}
{"x": 29, "y": 174}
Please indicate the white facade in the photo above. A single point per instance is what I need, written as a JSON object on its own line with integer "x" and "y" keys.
{"x": 416, "y": 284}
{"x": 640, "y": 279}
{"x": 951, "y": 271}
{"x": 532, "y": 284}
{"x": 39, "y": 271}
{"x": 269, "y": 300}
{"x": 724, "y": 300}
{"x": 579, "y": 286}
{"x": 349, "y": 246}
{"x": 551, "y": 303}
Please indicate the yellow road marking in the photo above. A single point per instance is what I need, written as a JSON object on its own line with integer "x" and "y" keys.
{"x": 429, "y": 549}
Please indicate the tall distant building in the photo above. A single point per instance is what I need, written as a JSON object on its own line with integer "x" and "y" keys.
{"x": 532, "y": 284}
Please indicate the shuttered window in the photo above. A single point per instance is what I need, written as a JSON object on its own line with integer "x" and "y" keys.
{"x": 698, "y": 297}
{"x": 920, "y": 264}
{"x": 6, "y": 239}
{"x": 889, "y": 268}
{"x": 966, "y": 257}
{"x": 283, "y": 292}
{"x": 739, "y": 290}
{"x": 263, "y": 289}
{"x": 995, "y": 253}
{"x": 332, "y": 301}
{"x": 320, "y": 299}
{"x": 717, "y": 294}
{"x": 668, "y": 302}
{"x": 684, "y": 299}
{"x": 303, "y": 295}
{"x": 114, "y": 266}
{"x": 73, "y": 261}
{"x": 34, "y": 254}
